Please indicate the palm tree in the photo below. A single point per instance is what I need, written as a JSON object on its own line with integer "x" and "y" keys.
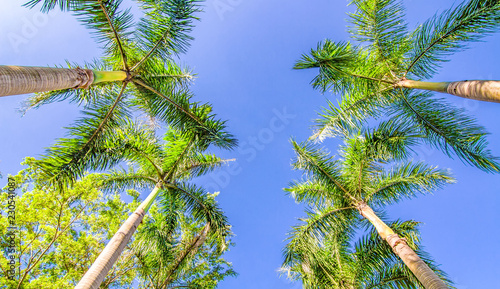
{"x": 161, "y": 33}
{"x": 160, "y": 167}
{"x": 143, "y": 58}
{"x": 335, "y": 261}
{"x": 347, "y": 188}
{"x": 380, "y": 75}
{"x": 175, "y": 249}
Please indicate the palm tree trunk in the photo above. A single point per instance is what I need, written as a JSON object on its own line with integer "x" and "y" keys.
{"x": 24, "y": 79}
{"x": 192, "y": 248}
{"x": 101, "y": 266}
{"x": 419, "y": 268}
{"x": 484, "y": 90}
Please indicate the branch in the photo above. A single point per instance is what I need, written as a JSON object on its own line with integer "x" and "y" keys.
{"x": 124, "y": 57}
{"x": 139, "y": 82}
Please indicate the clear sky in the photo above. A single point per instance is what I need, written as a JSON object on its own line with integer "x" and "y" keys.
{"x": 243, "y": 54}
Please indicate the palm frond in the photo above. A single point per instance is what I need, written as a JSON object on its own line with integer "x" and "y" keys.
{"x": 381, "y": 23}
{"x": 342, "y": 67}
{"x": 448, "y": 129}
{"x": 158, "y": 72}
{"x": 317, "y": 164}
{"x": 449, "y": 32}
{"x": 354, "y": 109}
{"x": 138, "y": 144}
{"x": 175, "y": 108}
{"x": 313, "y": 193}
{"x": 88, "y": 149}
{"x": 202, "y": 207}
{"x": 317, "y": 225}
{"x": 47, "y": 5}
{"x": 163, "y": 31}
{"x": 119, "y": 180}
{"x": 111, "y": 27}
{"x": 200, "y": 164}
{"x": 405, "y": 181}
{"x": 390, "y": 140}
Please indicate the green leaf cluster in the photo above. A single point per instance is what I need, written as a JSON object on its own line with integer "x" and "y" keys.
{"x": 367, "y": 73}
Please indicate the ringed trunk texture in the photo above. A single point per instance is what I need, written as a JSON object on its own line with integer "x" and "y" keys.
{"x": 484, "y": 90}
{"x": 101, "y": 266}
{"x": 23, "y": 79}
{"x": 419, "y": 268}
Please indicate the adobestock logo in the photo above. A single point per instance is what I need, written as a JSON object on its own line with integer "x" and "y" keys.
{"x": 29, "y": 28}
{"x": 223, "y": 6}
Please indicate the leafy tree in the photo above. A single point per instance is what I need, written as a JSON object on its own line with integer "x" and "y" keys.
{"x": 335, "y": 261}
{"x": 379, "y": 75}
{"x": 58, "y": 238}
{"x": 370, "y": 173}
{"x": 59, "y": 233}
{"x": 164, "y": 168}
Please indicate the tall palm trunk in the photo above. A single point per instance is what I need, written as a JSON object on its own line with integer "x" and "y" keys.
{"x": 101, "y": 266}
{"x": 191, "y": 249}
{"x": 424, "y": 274}
{"x": 485, "y": 90}
{"x": 24, "y": 79}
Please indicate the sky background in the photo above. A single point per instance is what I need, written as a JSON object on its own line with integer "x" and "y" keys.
{"x": 243, "y": 55}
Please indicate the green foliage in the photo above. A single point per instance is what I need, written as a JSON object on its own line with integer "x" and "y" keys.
{"x": 338, "y": 260}
{"x": 165, "y": 25}
{"x": 449, "y": 32}
{"x": 144, "y": 49}
{"x": 168, "y": 255}
{"x": 448, "y": 128}
{"x": 61, "y": 232}
{"x": 367, "y": 75}
{"x": 170, "y": 165}
{"x": 371, "y": 169}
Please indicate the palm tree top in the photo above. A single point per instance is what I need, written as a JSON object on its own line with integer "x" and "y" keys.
{"x": 371, "y": 168}
{"x": 369, "y": 71}
{"x": 338, "y": 260}
{"x": 172, "y": 163}
{"x": 145, "y": 51}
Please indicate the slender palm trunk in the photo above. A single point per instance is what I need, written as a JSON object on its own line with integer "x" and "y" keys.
{"x": 101, "y": 266}
{"x": 484, "y": 90}
{"x": 24, "y": 79}
{"x": 191, "y": 249}
{"x": 424, "y": 274}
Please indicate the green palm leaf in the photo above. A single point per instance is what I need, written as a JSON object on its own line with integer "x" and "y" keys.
{"x": 163, "y": 31}
{"x": 88, "y": 147}
{"x": 448, "y": 129}
{"x": 449, "y": 32}
{"x": 381, "y": 24}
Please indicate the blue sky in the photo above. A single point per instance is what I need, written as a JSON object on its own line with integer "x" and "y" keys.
{"x": 243, "y": 54}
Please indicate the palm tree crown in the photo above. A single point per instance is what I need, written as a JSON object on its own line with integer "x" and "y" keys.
{"x": 372, "y": 76}
{"x": 371, "y": 172}
{"x": 166, "y": 169}
{"x": 336, "y": 261}
{"x": 145, "y": 79}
